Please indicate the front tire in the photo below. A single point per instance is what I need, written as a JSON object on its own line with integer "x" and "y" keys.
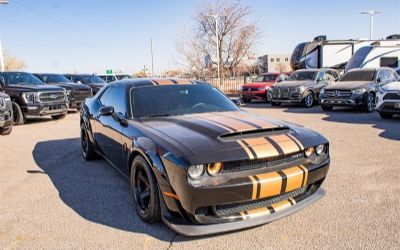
{"x": 308, "y": 100}
{"x": 326, "y": 107}
{"x": 58, "y": 117}
{"x": 18, "y": 116}
{"x": 145, "y": 191}
{"x": 385, "y": 115}
{"x": 6, "y": 131}
{"x": 369, "y": 103}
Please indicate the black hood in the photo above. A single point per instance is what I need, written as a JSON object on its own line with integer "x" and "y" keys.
{"x": 35, "y": 88}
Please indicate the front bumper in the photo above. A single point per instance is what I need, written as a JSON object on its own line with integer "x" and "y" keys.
{"x": 184, "y": 228}
{"x": 44, "y": 109}
{"x": 392, "y": 107}
{"x": 256, "y": 94}
{"x": 355, "y": 100}
{"x": 6, "y": 119}
{"x": 290, "y": 97}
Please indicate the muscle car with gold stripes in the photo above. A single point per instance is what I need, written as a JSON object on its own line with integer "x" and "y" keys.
{"x": 198, "y": 162}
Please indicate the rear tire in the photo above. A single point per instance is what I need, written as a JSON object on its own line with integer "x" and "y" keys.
{"x": 6, "y": 131}
{"x": 88, "y": 151}
{"x": 145, "y": 191}
{"x": 58, "y": 117}
{"x": 18, "y": 116}
{"x": 326, "y": 107}
{"x": 385, "y": 115}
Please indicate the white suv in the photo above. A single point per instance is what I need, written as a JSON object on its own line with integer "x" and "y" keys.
{"x": 114, "y": 77}
{"x": 388, "y": 100}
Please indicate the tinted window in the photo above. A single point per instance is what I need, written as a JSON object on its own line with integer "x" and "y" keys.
{"x": 303, "y": 76}
{"x": 321, "y": 76}
{"x": 358, "y": 58}
{"x": 358, "y": 75}
{"x": 20, "y": 78}
{"x": 179, "y": 100}
{"x": 266, "y": 78}
{"x": 76, "y": 79}
{"x": 54, "y": 78}
{"x": 391, "y": 62}
{"x": 104, "y": 96}
{"x": 92, "y": 79}
{"x": 116, "y": 99}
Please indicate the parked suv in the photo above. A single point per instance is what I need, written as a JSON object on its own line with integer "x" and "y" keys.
{"x": 6, "y": 115}
{"x": 356, "y": 88}
{"x": 388, "y": 100}
{"x": 114, "y": 77}
{"x": 76, "y": 93}
{"x": 303, "y": 86}
{"x": 93, "y": 81}
{"x": 259, "y": 87}
{"x": 32, "y": 98}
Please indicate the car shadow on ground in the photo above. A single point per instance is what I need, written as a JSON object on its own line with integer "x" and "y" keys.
{"x": 389, "y": 127}
{"x": 94, "y": 190}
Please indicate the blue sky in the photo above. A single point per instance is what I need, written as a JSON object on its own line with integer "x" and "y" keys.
{"x": 94, "y": 35}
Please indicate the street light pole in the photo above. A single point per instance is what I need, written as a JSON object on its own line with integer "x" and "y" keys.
{"x": 2, "y": 66}
{"x": 371, "y": 14}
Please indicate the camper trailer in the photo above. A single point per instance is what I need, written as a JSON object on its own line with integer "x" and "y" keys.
{"x": 323, "y": 53}
{"x": 376, "y": 55}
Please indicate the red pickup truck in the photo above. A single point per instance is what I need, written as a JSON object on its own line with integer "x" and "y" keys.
{"x": 258, "y": 89}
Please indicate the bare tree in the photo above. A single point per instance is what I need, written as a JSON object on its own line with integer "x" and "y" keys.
{"x": 237, "y": 36}
{"x": 12, "y": 63}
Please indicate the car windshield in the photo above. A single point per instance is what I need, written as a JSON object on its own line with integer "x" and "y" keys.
{"x": 358, "y": 75}
{"x": 19, "y": 78}
{"x": 172, "y": 100}
{"x": 50, "y": 78}
{"x": 266, "y": 78}
{"x": 302, "y": 76}
{"x": 92, "y": 79}
{"x": 121, "y": 77}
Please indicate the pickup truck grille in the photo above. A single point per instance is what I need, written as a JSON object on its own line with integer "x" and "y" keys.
{"x": 338, "y": 93}
{"x": 392, "y": 96}
{"x": 52, "y": 96}
{"x": 81, "y": 94}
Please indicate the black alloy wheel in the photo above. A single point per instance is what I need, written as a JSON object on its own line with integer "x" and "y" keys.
{"x": 308, "y": 100}
{"x": 88, "y": 152}
{"x": 145, "y": 191}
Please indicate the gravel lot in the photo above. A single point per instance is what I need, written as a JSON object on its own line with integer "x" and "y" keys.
{"x": 51, "y": 198}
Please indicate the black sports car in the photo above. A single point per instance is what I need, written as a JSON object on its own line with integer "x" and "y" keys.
{"x": 197, "y": 161}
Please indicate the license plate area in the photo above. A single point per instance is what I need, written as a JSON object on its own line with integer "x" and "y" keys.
{"x": 397, "y": 105}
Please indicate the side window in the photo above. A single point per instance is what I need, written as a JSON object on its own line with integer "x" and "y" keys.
{"x": 321, "y": 76}
{"x": 116, "y": 99}
{"x": 103, "y": 97}
{"x": 329, "y": 76}
{"x": 76, "y": 79}
{"x": 381, "y": 75}
{"x": 389, "y": 75}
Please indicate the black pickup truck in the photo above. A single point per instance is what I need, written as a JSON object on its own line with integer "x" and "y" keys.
{"x": 6, "y": 114}
{"x": 76, "y": 93}
{"x": 93, "y": 81}
{"x": 32, "y": 98}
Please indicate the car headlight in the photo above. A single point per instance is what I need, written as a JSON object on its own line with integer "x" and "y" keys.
{"x": 309, "y": 151}
{"x": 2, "y": 103}
{"x": 297, "y": 90}
{"x": 358, "y": 91}
{"x": 214, "y": 168}
{"x": 196, "y": 171}
{"x": 29, "y": 97}
{"x": 320, "y": 149}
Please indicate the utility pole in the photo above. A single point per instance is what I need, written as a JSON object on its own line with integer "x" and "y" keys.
{"x": 218, "y": 49}
{"x": 2, "y": 66}
{"x": 152, "y": 57}
{"x": 371, "y": 14}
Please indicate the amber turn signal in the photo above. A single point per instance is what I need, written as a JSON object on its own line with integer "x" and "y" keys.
{"x": 214, "y": 168}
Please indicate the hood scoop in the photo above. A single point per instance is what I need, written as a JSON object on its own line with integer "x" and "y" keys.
{"x": 253, "y": 133}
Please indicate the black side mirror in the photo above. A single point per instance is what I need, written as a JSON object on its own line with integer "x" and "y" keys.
{"x": 378, "y": 80}
{"x": 106, "y": 110}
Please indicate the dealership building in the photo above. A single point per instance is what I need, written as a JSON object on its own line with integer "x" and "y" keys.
{"x": 275, "y": 63}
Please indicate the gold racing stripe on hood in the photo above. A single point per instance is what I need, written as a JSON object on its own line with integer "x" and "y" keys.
{"x": 237, "y": 125}
{"x": 286, "y": 144}
{"x": 163, "y": 81}
{"x": 300, "y": 145}
{"x": 294, "y": 178}
{"x": 249, "y": 118}
{"x": 261, "y": 147}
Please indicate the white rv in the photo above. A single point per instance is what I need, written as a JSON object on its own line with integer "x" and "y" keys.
{"x": 323, "y": 53}
{"x": 376, "y": 55}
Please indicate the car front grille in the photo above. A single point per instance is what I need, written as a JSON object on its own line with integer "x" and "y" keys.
{"x": 244, "y": 165}
{"x": 236, "y": 208}
{"x": 340, "y": 94}
{"x": 249, "y": 89}
{"x": 281, "y": 93}
{"x": 392, "y": 96}
{"x": 52, "y": 96}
